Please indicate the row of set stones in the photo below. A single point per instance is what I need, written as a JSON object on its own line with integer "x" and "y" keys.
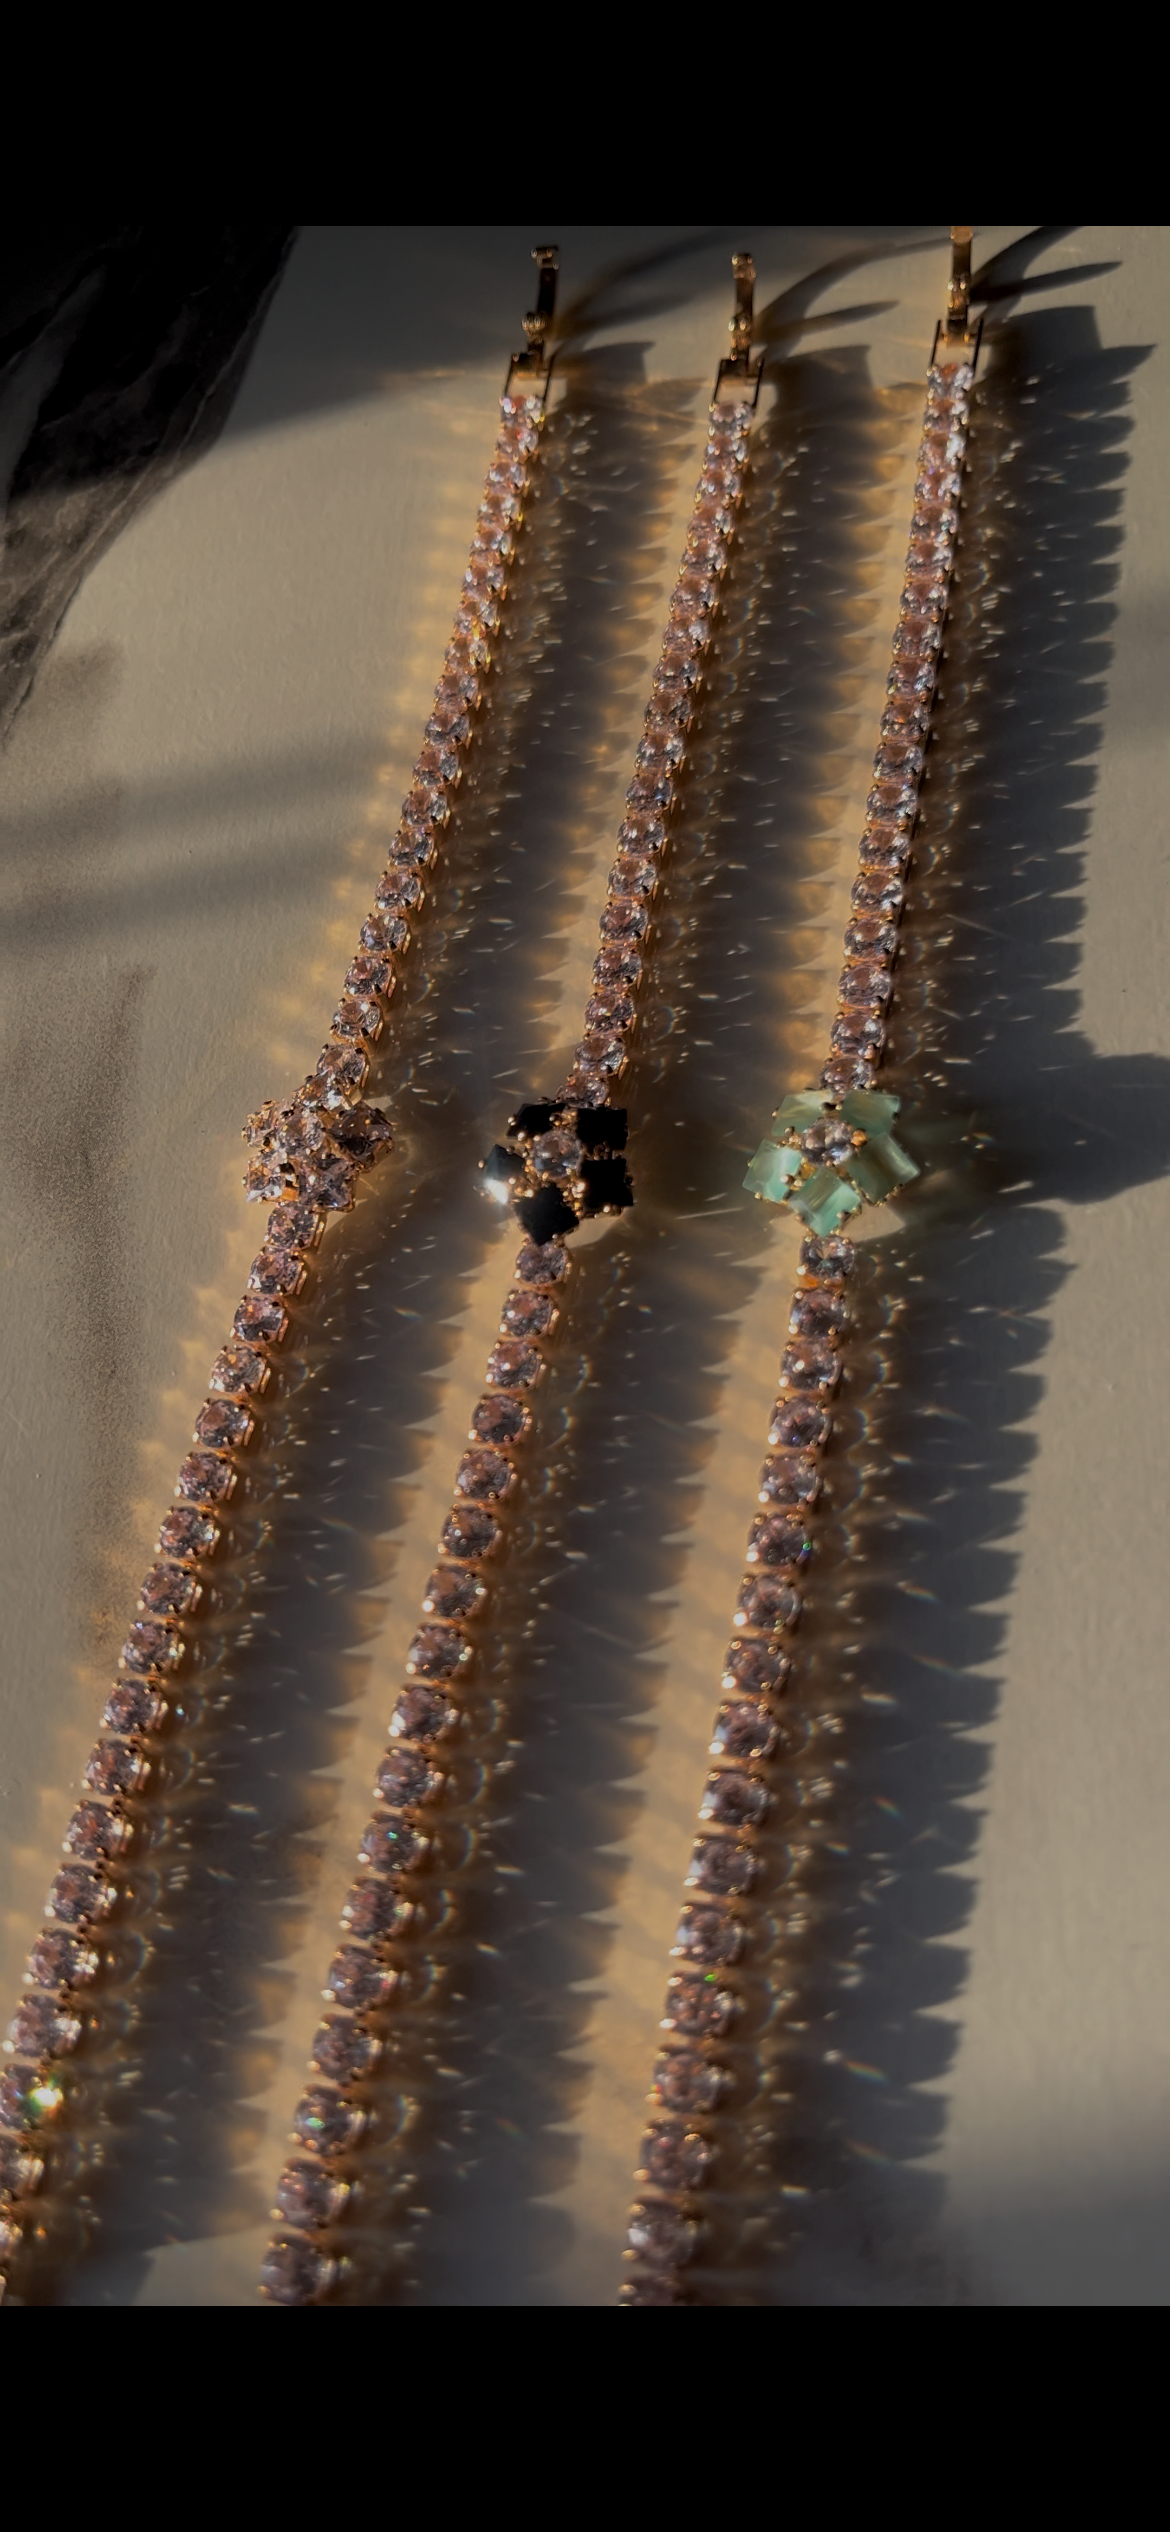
{"x": 385, "y": 1914}
{"x": 698, "y": 2076}
{"x": 306, "y": 1154}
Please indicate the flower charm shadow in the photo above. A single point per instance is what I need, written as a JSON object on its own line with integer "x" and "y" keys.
{"x": 825, "y": 1155}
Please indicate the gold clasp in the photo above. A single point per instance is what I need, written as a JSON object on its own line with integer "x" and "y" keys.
{"x": 530, "y": 371}
{"x": 955, "y": 330}
{"x": 737, "y": 380}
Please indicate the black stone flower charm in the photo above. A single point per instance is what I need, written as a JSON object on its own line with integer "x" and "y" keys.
{"x": 560, "y": 1165}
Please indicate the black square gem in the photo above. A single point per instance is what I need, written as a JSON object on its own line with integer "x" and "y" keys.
{"x": 606, "y": 1183}
{"x": 602, "y": 1129}
{"x": 545, "y": 1214}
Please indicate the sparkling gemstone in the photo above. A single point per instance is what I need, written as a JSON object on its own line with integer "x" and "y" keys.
{"x": 547, "y": 1265}
{"x": 706, "y": 547}
{"x": 20, "y": 2171}
{"x": 830, "y": 1139}
{"x": 483, "y": 1477}
{"x": 94, "y": 1833}
{"x": 264, "y": 1178}
{"x": 892, "y": 802}
{"x": 239, "y": 1372}
{"x": 134, "y": 1706}
{"x": 373, "y": 1910}
{"x": 528, "y": 1314}
{"x": 484, "y": 571}
{"x": 422, "y": 1714}
{"x": 500, "y": 1420}
{"x": 830, "y": 1260}
{"x": 41, "y": 2027}
{"x": 187, "y": 1532}
{"x": 858, "y": 1033}
{"x": 791, "y": 1480}
{"x": 29, "y": 2099}
{"x": 468, "y": 1532}
{"x": 714, "y": 513}
{"x": 370, "y": 974}
{"x": 305, "y": 2194}
{"x": 905, "y": 716}
{"x": 708, "y": 1938}
{"x": 633, "y": 875}
{"x": 659, "y": 2236}
{"x": 393, "y": 1846}
{"x": 720, "y": 1866}
{"x": 344, "y": 2052}
{"x": 150, "y": 1647}
{"x": 399, "y": 890}
{"x": 169, "y": 1591}
{"x": 623, "y": 919}
{"x": 908, "y": 678}
{"x": 115, "y": 1767}
{"x": 223, "y": 1425}
{"x": 685, "y": 2081}
{"x": 404, "y": 1777}
{"x": 601, "y": 1054}
{"x": 812, "y": 1363}
{"x": 437, "y": 1652}
{"x": 734, "y": 1799}
{"x": 342, "y": 1071}
{"x": 357, "y": 1017}
{"x": 797, "y": 1427}
{"x": 645, "y": 833}
{"x": 61, "y": 1960}
{"x": 469, "y": 647}
{"x": 513, "y": 1366}
{"x": 777, "y": 1540}
{"x": 590, "y": 1087}
{"x": 843, "y": 1073}
{"x": 276, "y": 1271}
{"x": 326, "y": 2122}
{"x": 898, "y": 762}
{"x": 748, "y": 1664}
{"x": 378, "y": 933}
{"x": 556, "y": 1155}
{"x": 817, "y": 1313}
{"x": 764, "y": 1602}
{"x": 676, "y": 2157}
{"x": 677, "y": 661}
{"x": 864, "y": 986}
{"x": 699, "y": 2010}
{"x": 79, "y": 1897}
{"x": 453, "y": 1593}
{"x": 205, "y": 1479}
{"x": 649, "y": 794}
{"x": 659, "y": 751}
{"x": 617, "y": 964}
{"x": 744, "y": 1732}
{"x": 259, "y": 1321}
{"x": 609, "y": 1010}
{"x": 364, "y": 1134}
{"x": 870, "y": 935}
{"x": 358, "y": 1979}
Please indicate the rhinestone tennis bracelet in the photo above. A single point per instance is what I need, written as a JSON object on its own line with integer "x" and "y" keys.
{"x": 306, "y": 1153}
{"x": 832, "y": 1150}
{"x": 565, "y": 1162}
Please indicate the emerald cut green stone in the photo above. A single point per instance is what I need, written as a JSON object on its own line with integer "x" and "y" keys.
{"x": 801, "y": 1108}
{"x": 880, "y": 1166}
{"x": 771, "y": 1171}
{"x": 824, "y": 1200}
{"x": 871, "y": 1111}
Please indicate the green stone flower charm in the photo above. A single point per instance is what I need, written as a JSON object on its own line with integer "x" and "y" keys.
{"x": 825, "y": 1154}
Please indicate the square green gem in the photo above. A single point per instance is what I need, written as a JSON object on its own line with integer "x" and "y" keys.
{"x": 871, "y": 1111}
{"x": 800, "y": 1109}
{"x": 770, "y": 1172}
